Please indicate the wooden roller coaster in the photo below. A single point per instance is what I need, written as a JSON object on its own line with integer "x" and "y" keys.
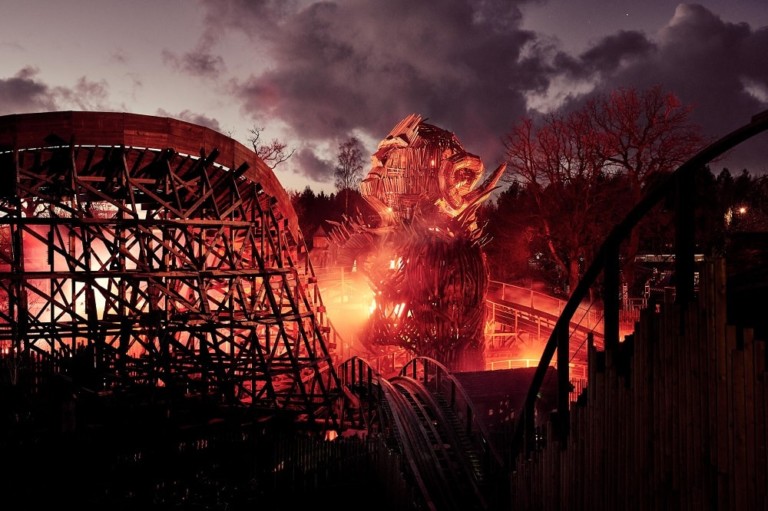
{"x": 146, "y": 251}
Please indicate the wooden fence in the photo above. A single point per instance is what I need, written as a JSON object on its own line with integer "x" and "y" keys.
{"x": 675, "y": 417}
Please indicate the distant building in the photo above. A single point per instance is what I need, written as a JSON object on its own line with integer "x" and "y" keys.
{"x": 320, "y": 239}
{"x": 321, "y": 245}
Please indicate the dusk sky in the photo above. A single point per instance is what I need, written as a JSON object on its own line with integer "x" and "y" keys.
{"x": 315, "y": 73}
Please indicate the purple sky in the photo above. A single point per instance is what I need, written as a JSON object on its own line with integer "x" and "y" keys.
{"x": 314, "y": 73}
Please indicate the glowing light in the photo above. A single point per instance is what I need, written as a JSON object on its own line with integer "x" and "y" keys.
{"x": 741, "y": 211}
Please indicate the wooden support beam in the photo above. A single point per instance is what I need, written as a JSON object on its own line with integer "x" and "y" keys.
{"x": 684, "y": 236}
{"x": 611, "y": 283}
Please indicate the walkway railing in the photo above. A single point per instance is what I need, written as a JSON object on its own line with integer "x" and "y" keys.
{"x": 586, "y": 315}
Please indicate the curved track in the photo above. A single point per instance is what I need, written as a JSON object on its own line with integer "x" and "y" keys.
{"x": 442, "y": 460}
{"x": 440, "y": 456}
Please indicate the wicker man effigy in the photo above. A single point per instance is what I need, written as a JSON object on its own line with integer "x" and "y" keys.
{"x": 427, "y": 269}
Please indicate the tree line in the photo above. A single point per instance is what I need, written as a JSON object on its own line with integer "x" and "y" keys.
{"x": 522, "y": 251}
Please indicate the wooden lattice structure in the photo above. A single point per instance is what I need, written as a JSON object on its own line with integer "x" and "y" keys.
{"x": 164, "y": 253}
{"x": 425, "y": 259}
{"x": 421, "y": 169}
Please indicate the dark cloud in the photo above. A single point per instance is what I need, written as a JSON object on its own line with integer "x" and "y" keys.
{"x": 338, "y": 68}
{"x": 341, "y": 67}
{"x": 313, "y": 167}
{"x": 558, "y": 80}
{"x": 195, "y": 63}
{"x": 24, "y": 92}
{"x": 719, "y": 68}
{"x": 201, "y": 61}
{"x": 615, "y": 50}
{"x": 194, "y": 118}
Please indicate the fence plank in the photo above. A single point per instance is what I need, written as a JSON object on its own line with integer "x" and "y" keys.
{"x": 687, "y": 431}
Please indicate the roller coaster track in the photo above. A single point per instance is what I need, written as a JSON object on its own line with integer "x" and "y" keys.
{"x": 426, "y": 416}
{"x": 146, "y": 252}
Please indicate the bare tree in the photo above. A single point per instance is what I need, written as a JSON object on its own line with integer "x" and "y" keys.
{"x": 588, "y": 168}
{"x": 642, "y": 134}
{"x": 561, "y": 169}
{"x": 349, "y": 169}
{"x": 273, "y": 153}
